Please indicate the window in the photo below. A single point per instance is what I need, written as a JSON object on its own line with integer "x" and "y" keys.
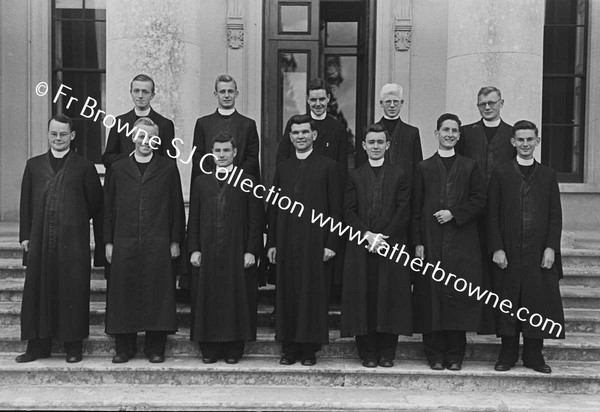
{"x": 79, "y": 62}
{"x": 564, "y": 86}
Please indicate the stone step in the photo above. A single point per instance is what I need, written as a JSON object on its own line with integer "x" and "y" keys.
{"x": 576, "y": 347}
{"x": 580, "y": 297}
{"x": 279, "y": 398}
{"x": 10, "y": 250}
{"x": 584, "y": 276}
{"x": 581, "y": 258}
{"x": 11, "y": 268}
{"x": 567, "y": 377}
{"x": 587, "y": 239}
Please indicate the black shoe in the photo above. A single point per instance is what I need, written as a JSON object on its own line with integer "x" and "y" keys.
{"x": 232, "y": 361}
{"x": 502, "y": 366}
{"x": 28, "y": 357}
{"x": 209, "y": 360}
{"x": 386, "y": 363}
{"x": 437, "y": 366}
{"x": 454, "y": 366}
{"x": 156, "y": 358}
{"x": 369, "y": 363}
{"x": 309, "y": 361}
{"x": 545, "y": 368}
{"x": 74, "y": 358}
{"x": 120, "y": 358}
{"x": 287, "y": 361}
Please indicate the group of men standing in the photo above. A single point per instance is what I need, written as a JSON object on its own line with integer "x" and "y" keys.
{"x": 480, "y": 202}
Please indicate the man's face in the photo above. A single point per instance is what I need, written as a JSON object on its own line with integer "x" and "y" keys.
{"x": 489, "y": 106}
{"x": 224, "y": 152}
{"x": 391, "y": 105}
{"x": 59, "y": 136}
{"x": 448, "y": 134}
{"x": 375, "y": 144}
{"x": 302, "y": 137}
{"x": 525, "y": 142}
{"x": 226, "y": 94}
{"x": 318, "y": 101}
{"x": 142, "y": 144}
{"x": 141, "y": 94}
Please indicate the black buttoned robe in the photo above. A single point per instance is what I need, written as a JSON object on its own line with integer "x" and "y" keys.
{"x": 525, "y": 218}
{"x": 454, "y": 244}
{"x": 55, "y": 214}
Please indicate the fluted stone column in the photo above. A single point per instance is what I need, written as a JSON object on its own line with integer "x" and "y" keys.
{"x": 498, "y": 43}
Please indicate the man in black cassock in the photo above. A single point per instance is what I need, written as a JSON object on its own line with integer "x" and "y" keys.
{"x": 60, "y": 193}
{"x": 225, "y": 239}
{"x": 524, "y": 228}
{"x": 405, "y": 143}
{"x": 376, "y": 297}
{"x": 143, "y": 228}
{"x": 300, "y": 248}
{"x": 120, "y": 144}
{"x": 448, "y": 198}
{"x": 487, "y": 141}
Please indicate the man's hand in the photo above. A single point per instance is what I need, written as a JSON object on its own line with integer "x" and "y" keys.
{"x": 375, "y": 241}
{"x": 548, "y": 258}
{"x": 420, "y": 252}
{"x": 327, "y": 254}
{"x": 195, "y": 259}
{"x": 499, "y": 258}
{"x": 108, "y": 249}
{"x": 272, "y": 254}
{"x": 25, "y": 245}
{"x": 443, "y": 216}
{"x": 175, "y": 250}
{"x": 249, "y": 260}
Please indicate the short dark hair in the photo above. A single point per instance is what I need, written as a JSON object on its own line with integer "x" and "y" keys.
{"x": 319, "y": 84}
{"x": 524, "y": 125}
{"x": 485, "y": 90}
{"x": 62, "y": 118}
{"x": 224, "y": 138}
{"x": 301, "y": 119}
{"x": 142, "y": 78}
{"x": 377, "y": 128}
{"x": 447, "y": 116}
{"x": 225, "y": 78}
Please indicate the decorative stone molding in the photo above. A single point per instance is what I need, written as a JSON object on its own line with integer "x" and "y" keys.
{"x": 402, "y": 25}
{"x": 235, "y": 24}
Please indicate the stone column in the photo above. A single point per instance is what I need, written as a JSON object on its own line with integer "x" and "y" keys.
{"x": 497, "y": 43}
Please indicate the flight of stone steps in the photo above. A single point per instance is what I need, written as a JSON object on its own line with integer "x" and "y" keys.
{"x": 337, "y": 382}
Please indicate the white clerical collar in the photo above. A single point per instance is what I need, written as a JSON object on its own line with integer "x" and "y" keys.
{"x": 227, "y": 169}
{"x": 494, "y": 123}
{"x": 446, "y": 153}
{"x": 376, "y": 163}
{"x": 524, "y": 162}
{"x": 304, "y": 155}
{"x": 391, "y": 118}
{"x": 59, "y": 155}
{"x": 225, "y": 112}
{"x": 321, "y": 117}
{"x": 142, "y": 113}
{"x": 143, "y": 159}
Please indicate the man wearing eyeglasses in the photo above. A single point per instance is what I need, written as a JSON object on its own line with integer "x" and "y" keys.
{"x": 405, "y": 149}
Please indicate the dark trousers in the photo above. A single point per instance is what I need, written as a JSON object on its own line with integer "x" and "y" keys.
{"x": 532, "y": 349}
{"x": 226, "y": 350}
{"x": 445, "y": 346}
{"x": 154, "y": 343}
{"x": 295, "y": 350}
{"x": 43, "y": 347}
{"x": 376, "y": 345}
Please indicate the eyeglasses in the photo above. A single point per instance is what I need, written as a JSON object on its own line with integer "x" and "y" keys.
{"x": 491, "y": 104}
{"x": 61, "y": 134}
{"x": 392, "y": 102}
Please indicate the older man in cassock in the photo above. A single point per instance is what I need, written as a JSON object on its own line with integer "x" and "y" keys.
{"x": 60, "y": 193}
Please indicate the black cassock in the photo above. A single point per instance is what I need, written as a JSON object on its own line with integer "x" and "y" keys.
{"x": 524, "y": 218}
{"x": 224, "y": 224}
{"x": 454, "y": 244}
{"x": 144, "y": 214}
{"x": 302, "y": 314}
{"x": 380, "y": 204}
{"x": 56, "y": 209}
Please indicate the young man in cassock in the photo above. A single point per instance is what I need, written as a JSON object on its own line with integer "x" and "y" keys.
{"x": 448, "y": 198}
{"x": 487, "y": 141}
{"x": 60, "y": 192}
{"x": 225, "y": 239}
{"x": 525, "y": 225}
{"x": 119, "y": 144}
{"x": 376, "y": 297}
{"x": 300, "y": 248}
{"x": 143, "y": 228}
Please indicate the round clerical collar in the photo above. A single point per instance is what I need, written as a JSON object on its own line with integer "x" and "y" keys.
{"x": 304, "y": 155}
{"x": 494, "y": 123}
{"x": 143, "y": 159}
{"x": 446, "y": 153}
{"x": 315, "y": 117}
{"x": 391, "y": 118}
{"x": 376, "y": 163}
{"x": 225, "y": 112}
{"x": 142, "y": 113}
{"x": 525, "y": 162}
{"x": 226, "y": 169}
{"x": 59, "y": 155}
